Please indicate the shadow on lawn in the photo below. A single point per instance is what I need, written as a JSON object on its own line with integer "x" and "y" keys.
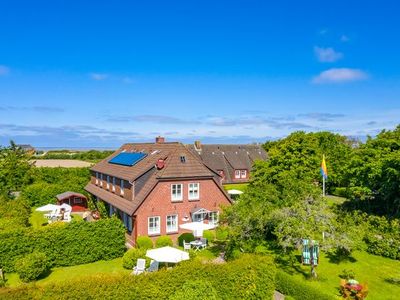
{"x": 337, "y": 258}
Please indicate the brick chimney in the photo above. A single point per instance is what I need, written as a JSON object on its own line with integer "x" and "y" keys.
{"x": 160, "y": 139}
{"x": 197, "y": 145}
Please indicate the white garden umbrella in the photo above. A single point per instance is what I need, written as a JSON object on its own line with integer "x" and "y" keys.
{"x": 67, "y": 207}
{"x": 48, "y": 207}
{"x": 197, "y": 227}
{"x": 234, "y": 192}
{"x": 167, "y": 255}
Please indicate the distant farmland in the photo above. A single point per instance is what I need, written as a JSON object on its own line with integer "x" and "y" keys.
{"x": 65, "y": 163}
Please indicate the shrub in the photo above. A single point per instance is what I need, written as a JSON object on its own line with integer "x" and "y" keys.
{"x": 196, "y": 289}
{"x": 209, "y": 235}
{"x": 289, "y": 285}
{"x": 251, "y": 277}
{"x": 65, "y": 244}
{"x": 187, "y": 237}
{"x": 131, "y": 256}
{"x": 221, "y": 233}
{"x": 32, "y": 266}
{"x": 163, "y": 241}
{"x": 144, "y": 242}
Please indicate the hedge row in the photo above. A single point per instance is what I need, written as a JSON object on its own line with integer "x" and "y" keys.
{"x": 296, "y": 288}
{"x": 250, "y": 277}
{"x": 65, "y": 244}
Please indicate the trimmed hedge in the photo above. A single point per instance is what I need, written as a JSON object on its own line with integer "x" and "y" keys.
{"x": 131, "y": 256}
{"x": 163, "y": 241}
{"x": 187, "y": 237}
{"x": 144, "y": 242}
{"x": 251, "y": 277}
{"x": 65, "y": 244}
{"x": 32, "y": 266}
{"x": 296, "y": 288}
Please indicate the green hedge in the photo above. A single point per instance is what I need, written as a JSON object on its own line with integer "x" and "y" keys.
{"x": 251, "y": 277}
{"x": 65, "y": 244}
{"x": 296, "y": 288}
{"x": 163, "y": 241}
{"x": 31, "y": 266}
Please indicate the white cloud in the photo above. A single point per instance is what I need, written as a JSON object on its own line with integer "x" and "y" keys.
{"x": 344, "y": 38}
{"x": 339, "y": 75}
{"x": 327, "y": 54}
{"x": 98, "y": 76}
{"x": 4, "y": 70}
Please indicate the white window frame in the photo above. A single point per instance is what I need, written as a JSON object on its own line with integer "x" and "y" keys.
{"x": 211, "y": 219}
{"x": 97, "y": 178}
{"x": 243, "y": 173}
{"x": 113, "y": 184}
{"x": 237, "y": 174}
{"x": 122, "y": 192}
{"x": 101, "y": 179}
{"x": 192, "y": 189}
{"x": 108, "y": 182}
{"x": 156, "y": 230}
{"x": 171, "y": 229}
{"x": 175, "y": 198}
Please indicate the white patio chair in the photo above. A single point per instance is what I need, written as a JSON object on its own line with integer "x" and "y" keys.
{"x": 153, "y": 266}
{"x": 140, "y": 266}
{"x": 67, "y": 216}
{"x": 203, "y": 242}
{"x": 186, "y": 246}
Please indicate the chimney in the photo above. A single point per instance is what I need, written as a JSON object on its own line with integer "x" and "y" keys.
{"x": 160, "y": 164}
{"x": 197, "y": 145}
{"x": 160, "y": 140}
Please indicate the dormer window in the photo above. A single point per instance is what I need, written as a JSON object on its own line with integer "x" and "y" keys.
{"x": 183, "y": 159}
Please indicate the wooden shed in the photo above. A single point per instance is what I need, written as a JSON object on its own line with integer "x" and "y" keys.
{"x": 76, "y": 200}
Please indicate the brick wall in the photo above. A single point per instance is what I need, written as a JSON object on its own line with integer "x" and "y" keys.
{"x": 159, "y": 203}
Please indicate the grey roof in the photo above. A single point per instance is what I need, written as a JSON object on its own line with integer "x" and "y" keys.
{"x": 229, "y": 157}
{"x": 69, "y": 194}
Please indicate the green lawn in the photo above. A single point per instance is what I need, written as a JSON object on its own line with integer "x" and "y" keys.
{"x": 81, "y": 271}
{"x": 236, "y": 186}
{"x": 370, "y": 269}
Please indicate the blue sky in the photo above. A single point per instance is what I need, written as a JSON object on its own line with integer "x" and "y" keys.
{"x": 101, "y": 73}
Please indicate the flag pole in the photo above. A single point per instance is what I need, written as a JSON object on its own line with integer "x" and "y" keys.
{"x": 323, "y": 186}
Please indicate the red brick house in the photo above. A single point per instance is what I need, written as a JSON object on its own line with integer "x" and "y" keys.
{"x": 232, "y": 162}
{"x": 155, "y": 187}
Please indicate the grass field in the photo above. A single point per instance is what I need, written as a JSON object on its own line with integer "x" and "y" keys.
{"x": 236, "y": 186}
{"x": 81, "y": 271}
{"x": 370, "y": 269}
{"x": 38, "y": 220}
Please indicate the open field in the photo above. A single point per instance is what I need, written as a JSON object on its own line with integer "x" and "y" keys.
{"x": 65, "y": 163}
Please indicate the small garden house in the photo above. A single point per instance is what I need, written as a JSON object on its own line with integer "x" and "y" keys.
{"x": 76, "y": 200}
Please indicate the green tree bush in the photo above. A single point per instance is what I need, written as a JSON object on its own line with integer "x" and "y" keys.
{"x": 144, "y": 242}
{"x": 296, "y": 288}
{"x": 196, "y": 289}
{"x": 163, "y": 241}
{"x": 187, "y": 237}
{"x": 209, "y": 235}
{"x": 65, "y": 244}
{"x": 250, "y": 277}
{"x": 32, "y": 266}
{"x": 131, "y": 256}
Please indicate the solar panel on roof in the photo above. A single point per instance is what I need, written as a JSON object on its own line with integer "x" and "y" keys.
{"x": 127, "y": 159}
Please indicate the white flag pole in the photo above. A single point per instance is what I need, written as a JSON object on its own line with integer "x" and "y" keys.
{"x": 323, "y": 185}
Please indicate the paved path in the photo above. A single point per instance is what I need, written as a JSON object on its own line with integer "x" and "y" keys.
{"x": 278, "y": 296}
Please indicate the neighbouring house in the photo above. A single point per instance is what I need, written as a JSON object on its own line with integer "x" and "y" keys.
{"x": 232, "y": 162}
{"x": 27, "y": 148}
{"x": 76, "y": 200}
{"x": 155, "y": 187}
